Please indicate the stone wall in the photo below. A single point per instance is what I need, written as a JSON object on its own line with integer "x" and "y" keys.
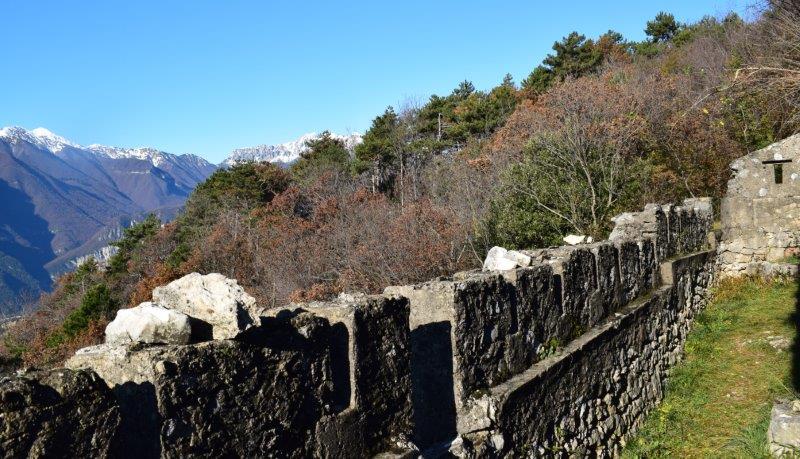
{"x": 761, "y": 218}
{"x": 600, "y": 387}
{"x": 564, "y": 355}
{"x": 500, "y": 325}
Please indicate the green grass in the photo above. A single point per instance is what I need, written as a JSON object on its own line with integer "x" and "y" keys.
{"x": 719, "y": 398}
{"x": 790, "y": 260}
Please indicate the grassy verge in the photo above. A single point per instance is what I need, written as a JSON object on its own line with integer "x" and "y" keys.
{"x": 719, "y": 398}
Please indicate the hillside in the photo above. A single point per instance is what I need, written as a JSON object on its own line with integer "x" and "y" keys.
{"x": 65, "y": 201}
{"x": 601, "y": 126}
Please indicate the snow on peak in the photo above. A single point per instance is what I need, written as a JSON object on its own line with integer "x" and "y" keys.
{"x": 46, "y": 140}
{"x": 285, "y": 153}
{"x": 41, "y": 137}
{"x": 152, "y": 155}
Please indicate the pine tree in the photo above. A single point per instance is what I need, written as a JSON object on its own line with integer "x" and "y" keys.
{"x": 574, "y": 56}
{"x": 378, "y": 150}
{"x": 324, "y": 153}
{"x": 538, "y": 81}
{"x": 662, "y": 28}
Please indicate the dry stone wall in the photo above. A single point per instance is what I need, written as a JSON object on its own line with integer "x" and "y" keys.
{"x": 760, "y": 213}
{"x": 564, "y": 356}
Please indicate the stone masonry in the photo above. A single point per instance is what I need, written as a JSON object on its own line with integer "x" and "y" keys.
{"x": 761, "y": 212}
{"x": 561, "y": 357}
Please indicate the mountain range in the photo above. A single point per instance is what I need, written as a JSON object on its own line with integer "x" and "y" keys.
{"x": 285, "y": 153}
{"x": 61, "y": 202}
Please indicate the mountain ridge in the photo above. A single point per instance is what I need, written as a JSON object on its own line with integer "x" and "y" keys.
{"x": 285, "y": 153}
{"x": 64, "y": 201}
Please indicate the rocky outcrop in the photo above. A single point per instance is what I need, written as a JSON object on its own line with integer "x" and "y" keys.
{"x": 58, "y": 413}
{"x": 149, "y": 323}
{"x": 212, "y": 298}
{"x": 311, "y": 380}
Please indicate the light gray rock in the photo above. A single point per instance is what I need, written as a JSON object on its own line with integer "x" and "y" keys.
{"x": 149, "y": 323}
{"x": 500, "y": 259}
{"x": 784, "y": 429}
{"x": 760, "y": 214}
{"x": 212, "y": 298}
{"x": 575, "y": 239}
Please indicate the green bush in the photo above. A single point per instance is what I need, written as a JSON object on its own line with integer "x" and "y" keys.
{"x": 131, "y": 238}
{"x": 96, "y": 304}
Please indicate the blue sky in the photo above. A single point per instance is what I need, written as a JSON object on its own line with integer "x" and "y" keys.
{"x": 205, "y": 77}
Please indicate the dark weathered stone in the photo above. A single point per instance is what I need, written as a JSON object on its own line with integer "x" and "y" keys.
{"x": 378, "y": 418}
{"x": 607, "y": 298}
{"x": 58, "y": 413}
{"x": 579, "y": 283}
{"x": 587, "y": 399}
{"x": 486, "y": 323}
{"x": 228, "y": 398}
{"x": 648, "y": 265}
{"x": 629, "y": 270}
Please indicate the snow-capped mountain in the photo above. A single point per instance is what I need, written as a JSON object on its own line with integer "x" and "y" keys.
{"x": 284, "y": 153}
{"x": 40, "y": 137}
{"x": 47, "y": 140}
{"x": 60, "y": 201}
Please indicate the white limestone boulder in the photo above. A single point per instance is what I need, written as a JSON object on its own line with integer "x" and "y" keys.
{"x": 500, "y": 259}
{"x": 212, "y": 298}
{"x": 149, "y": 323}
{"x": 575, "y": 239}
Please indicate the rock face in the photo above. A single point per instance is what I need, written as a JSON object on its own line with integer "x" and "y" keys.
{"x": 212, "y": 298}
{"x": 784, "y": 429}
{"x": 149, "y": 323}
{"x": 60, "y": 413}
{"x": 761, "y": 211}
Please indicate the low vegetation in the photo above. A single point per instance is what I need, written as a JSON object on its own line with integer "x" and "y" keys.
{"x": 603, "y": 125}
{"x": 719, "y": 398}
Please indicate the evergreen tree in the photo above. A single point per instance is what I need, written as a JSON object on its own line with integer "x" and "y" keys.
{"x": 324, "y": 153}
{"x": 379, "y": 149}
{"x": 464, "y": 90}
{"x": 538, "y": 81}
{"x": 97, "y": 303}
{"x": 131, "y": 238}
{"x": 574, "y": 56}
{"x": 662, "y": 28}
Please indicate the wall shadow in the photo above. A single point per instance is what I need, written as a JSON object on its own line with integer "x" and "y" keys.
{"x": 432, "y": 393}
{"x": 795, "y": 349}
{"x": 340, "y": 367}
{"x": 139, "y": 432}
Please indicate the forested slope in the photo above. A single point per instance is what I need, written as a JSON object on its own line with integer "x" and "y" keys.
{"x": 601, "y": 126}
